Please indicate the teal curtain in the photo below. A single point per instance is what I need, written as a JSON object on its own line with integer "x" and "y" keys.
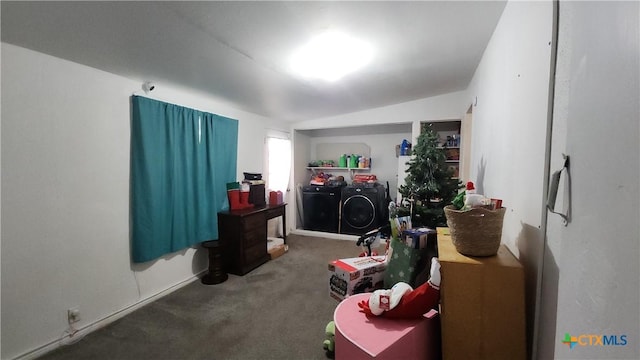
{"x": 181, "y": 161}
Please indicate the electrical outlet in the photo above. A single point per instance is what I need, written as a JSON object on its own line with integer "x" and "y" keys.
{"x": 73, "y": 315}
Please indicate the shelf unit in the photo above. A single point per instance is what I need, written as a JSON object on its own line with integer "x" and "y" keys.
{"x": 453, "y": 159}
{"x": 315, "y": 169}
{"x": 449, "y": 135}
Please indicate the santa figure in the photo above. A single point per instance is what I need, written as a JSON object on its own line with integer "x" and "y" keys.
{"x": 404, "y": 302}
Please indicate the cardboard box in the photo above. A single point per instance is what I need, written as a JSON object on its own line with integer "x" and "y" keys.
{"x": 355, "y": 275}
{"x": 482, "y": 304}
{"x": 277, "y": 251}
{"x": 419, "y": 238}
{"x": 276, "y": 247}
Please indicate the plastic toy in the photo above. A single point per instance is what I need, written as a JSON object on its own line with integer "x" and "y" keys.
{"x": 370, "y": 237}
{"x": 329, "y": 344}
{"x": 458, "y": 201}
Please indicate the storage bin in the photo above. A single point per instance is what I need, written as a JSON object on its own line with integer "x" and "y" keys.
{"x": 475, "y": 232}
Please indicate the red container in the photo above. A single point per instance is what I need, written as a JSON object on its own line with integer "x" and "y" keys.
{"x": 275, "y": 197}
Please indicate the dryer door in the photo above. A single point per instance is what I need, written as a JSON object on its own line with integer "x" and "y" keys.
{"x": 358, "y": 212}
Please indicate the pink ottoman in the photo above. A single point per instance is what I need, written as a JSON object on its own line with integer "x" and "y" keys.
{"x": 360, "y": 337}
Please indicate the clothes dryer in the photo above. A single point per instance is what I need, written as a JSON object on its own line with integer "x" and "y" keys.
{"x": 363, "y": 208}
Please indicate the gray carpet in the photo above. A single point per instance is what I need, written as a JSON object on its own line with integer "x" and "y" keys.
{"x": 277, "y": 311}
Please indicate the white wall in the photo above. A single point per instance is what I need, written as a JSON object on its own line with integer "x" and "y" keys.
{"x": 443, "y": 107}
{"x": 591, "y": 266}
{"x": 509, "y": 128}
{"x": 65, "y": 197}
{"x": 511, "y": 88}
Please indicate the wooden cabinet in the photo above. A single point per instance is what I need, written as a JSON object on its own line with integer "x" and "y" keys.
{"x": 482, "y": 304}
{"x": 243, "y": 234}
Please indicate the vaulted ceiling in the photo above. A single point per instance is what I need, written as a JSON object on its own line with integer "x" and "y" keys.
{"x": 238, "y": 51}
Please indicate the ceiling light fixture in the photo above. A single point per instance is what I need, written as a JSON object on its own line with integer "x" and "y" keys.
{"x": 330, "y": 56}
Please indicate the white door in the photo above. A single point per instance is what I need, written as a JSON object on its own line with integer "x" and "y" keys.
{"x": 590, "y": 285}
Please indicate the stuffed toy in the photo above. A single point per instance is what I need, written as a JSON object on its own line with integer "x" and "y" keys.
{"x": 329, "y": 344}
{"x": 468, "y": 199}
{"x": 472, "y": 199}
{"x": 404, "y": 302}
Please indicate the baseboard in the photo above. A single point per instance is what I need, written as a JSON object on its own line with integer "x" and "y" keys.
{"x": 324, "y": 234}
{"x": 89, "y": 328}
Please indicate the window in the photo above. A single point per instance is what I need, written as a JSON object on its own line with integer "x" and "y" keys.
{"x": 278, "y": 172}
{"x": 278, "y": 163}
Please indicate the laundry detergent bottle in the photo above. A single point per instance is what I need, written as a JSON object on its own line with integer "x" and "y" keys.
{"x": 343, "y": 161}
{"x": 404, "y": 148}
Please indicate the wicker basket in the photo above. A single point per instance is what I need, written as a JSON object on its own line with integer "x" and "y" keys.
{"x": 475, "y": 232}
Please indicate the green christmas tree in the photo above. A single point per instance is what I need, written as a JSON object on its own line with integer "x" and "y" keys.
{"x": 429, "y": 185}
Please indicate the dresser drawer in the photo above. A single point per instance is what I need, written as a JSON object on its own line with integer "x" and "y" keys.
{"x": 271, "y": 213}
{"x": 255, "y": 237}
{"x": 255, "y": 252}
{"x": 243, "y": 234}
{"x": 253, "y": 222}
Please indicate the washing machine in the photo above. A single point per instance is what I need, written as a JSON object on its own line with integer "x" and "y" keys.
{"x": 363, "y": 208}
{"x": 321, "y": 207}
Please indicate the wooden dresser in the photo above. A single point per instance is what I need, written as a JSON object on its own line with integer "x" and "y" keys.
{"x": 243, "y": 235}
{"x": 482, "y": 305}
